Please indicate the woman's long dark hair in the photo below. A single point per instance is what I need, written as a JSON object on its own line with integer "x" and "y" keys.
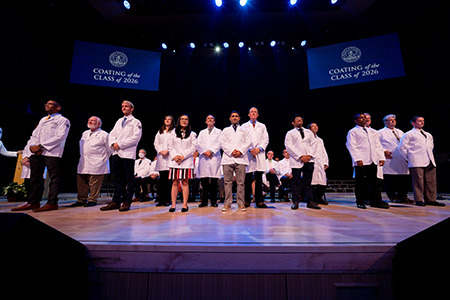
{"x": 161, "y": 130}
{"x": 178, "y": 128}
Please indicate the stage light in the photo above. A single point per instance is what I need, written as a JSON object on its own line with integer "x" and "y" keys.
{"x": 334, "y": 1}
{"x": 192, "y": 45}
{"x": 272, "y": 43}
{"x": 126, "y": 4}
{"x": 226, "y": 45}
{"x": 241, "y": 44}
{"x": 164, "y": 45}
{"x": 249, "y": 49}
{"x": 218, "y": 3}
{"x": 242, "y": 2}
{"x": 303, "y": 43}
{"x": 217, "y": 49}
{"x": 293, "y": 2}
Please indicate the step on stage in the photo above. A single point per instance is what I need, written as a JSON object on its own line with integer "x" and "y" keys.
{"x": 339, "y": 252}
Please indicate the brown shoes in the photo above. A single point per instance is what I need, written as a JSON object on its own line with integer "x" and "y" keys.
{"x": 46, "y": 207}
{"x": 26, "y": 206}
{"x": 35, "y": 207}
{"x": 113, "y": 205}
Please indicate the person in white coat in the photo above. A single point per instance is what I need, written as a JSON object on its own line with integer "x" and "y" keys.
{"x": 395, "y": 169}
{"x": 366, "y": 152}
{"x": 181, "y": 161}
{"x": 142, "y": 171}
{"x": 235, "y": 142}
{"x": 47, "y": 146}
{"x": 284, "y": 167}
{"x": 300, "y": 143}
{"x": 209, "y": 161}
{"x": 3, "y": 150}
{"x": 416, "y": 146}
{"x": 319, "y": 178}
{"x": 272, "y": 175}
{"x": 161, "y": 144}
{"x": 256, "y": 158}
{"x": 123, "y": 140}
{"x": 93, "y": 163}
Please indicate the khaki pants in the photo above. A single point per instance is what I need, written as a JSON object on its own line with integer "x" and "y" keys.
{"x": 424, "y": 183}
{"x": 228, "y": 173}
{"x": 89, "y": 185}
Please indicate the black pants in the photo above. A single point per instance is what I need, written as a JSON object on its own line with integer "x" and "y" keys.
{"x": 301, "y": 183}
{"x": 396, "y": 186}
{"x": 273, "y": 183}
{"x": 164, "y": 188}
{"x": 366, "y": 185}
{"x": 249, "y": 177}
{"x": 122, "y": 177}
{"x": 37, "y": 167}
{"x": 209, "y": 186}
{"x": 141, "y": 187}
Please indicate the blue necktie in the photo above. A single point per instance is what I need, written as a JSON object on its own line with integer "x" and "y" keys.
{"x": 123, "y": 122}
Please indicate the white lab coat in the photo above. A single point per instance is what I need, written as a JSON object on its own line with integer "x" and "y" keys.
{"x": 297, "y": 147}
{"x": 284, "y": 167}
{"x": 417, "y": 149}
{"x": 51, "y": 133}
{"x": 321, "y": 159}
{"x": 94, "y": 153}
{"x": 185, "y": 147}
{"x": 209, "y": 167}
{"x": 271, "y": 164}
{"x": 260, "y": 139}
{"x": 161, "y": 143}
{"x": 5, "y": 152}
{"x": 397, "y": 165}
{"x": 142, "y": 167}
{"x": 364, "y": 146}
{"x": 231, "y": 140}
{"x": 126, "y": 137}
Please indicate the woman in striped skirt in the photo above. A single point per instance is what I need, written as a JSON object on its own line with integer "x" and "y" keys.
{"x": 181, "y": 148}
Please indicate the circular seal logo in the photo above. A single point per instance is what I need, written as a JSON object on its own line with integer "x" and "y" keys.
{"x": 351, "y": 54}
{"x": 118, "y": 59}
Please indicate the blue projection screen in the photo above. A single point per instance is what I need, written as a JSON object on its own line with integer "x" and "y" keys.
{"x": 112, "y": 66}
{"x": 353, "y": 62}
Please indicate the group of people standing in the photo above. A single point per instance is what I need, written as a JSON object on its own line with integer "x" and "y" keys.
{"x": 238, "y": 153}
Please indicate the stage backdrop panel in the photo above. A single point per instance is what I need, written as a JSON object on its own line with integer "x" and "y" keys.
{"x": 113, "y": 66}
{"x": 357, "y": 61}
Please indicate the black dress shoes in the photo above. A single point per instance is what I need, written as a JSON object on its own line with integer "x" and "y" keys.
{"x": 90, "y": 203}
{"x": 172, "y": 209}
{"x": 77, "y": 204}
{"x": 361, "y": 205}
{"x": 294, "y": 206}
{"x": 313, "y": 206}
{"x": 434, "y": 203}
{"x": 261, "y": 205}
{"x": 185, "y": 209}
{"x": 380, "y": 204}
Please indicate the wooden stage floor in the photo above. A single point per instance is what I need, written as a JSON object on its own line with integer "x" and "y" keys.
{"x": 158, "y": 237}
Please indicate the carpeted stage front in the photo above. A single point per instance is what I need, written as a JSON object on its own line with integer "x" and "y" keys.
{"x": 276, "y": 253}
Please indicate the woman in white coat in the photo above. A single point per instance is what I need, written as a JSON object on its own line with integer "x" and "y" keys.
{"x": 182, "y": 146}
{"x": 319, "y": 178}
{"x": 161, "y": 144}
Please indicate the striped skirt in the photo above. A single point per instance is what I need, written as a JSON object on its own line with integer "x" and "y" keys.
{"x": 175, "y": 173}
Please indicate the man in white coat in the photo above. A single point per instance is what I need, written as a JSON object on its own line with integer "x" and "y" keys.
{"x": 123, "y": 139}
{"x": 299, "y": 143}
{"x": 47, "y": 145}
{"x": 366, "y": 152}
{"x": 256, "y": 158}
{"x": 416, "y": 146}
{"x": 142, "y": 172}
{"x": 93, "y": 163}
{"x": 395, "y": 169}
{"x": 235, "y": 142}
{"x": 208, "y": 146}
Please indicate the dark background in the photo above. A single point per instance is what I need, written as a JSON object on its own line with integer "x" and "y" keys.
{"x": 37, "y": 47}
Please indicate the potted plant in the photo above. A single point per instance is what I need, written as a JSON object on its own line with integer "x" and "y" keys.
{"x": 15, "y": 192}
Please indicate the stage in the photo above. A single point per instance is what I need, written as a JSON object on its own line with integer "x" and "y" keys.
{"x": 340, "y": 243}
